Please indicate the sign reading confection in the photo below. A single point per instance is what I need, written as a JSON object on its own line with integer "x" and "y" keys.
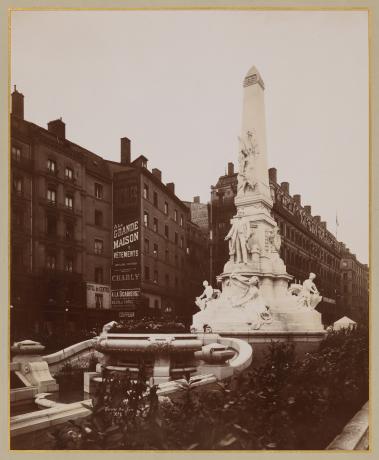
{"x": 126, "y": 270}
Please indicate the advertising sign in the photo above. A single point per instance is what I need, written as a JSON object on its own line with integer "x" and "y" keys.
{"x": 126, "y": 270}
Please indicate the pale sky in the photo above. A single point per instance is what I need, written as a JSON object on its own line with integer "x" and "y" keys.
{"x": 171, "y": 81}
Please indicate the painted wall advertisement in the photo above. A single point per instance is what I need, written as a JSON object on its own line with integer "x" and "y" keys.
{"x": 126, "y": 271}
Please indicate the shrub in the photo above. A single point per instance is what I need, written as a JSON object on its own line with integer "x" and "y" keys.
{"x": 149, "y": 325}
{"x": 283, "y": 404}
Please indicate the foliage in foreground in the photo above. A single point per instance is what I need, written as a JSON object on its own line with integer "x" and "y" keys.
{"x": 151, "y": 325}
{"x": 283, "y": 404}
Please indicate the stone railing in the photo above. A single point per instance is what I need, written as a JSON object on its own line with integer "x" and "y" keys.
{"x": 355, "y": 435}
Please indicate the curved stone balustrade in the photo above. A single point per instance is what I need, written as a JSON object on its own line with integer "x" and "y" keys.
{"x": 76, "y": 352}
{"x": 243, "y": 356}
{"x": 165, "y": 343}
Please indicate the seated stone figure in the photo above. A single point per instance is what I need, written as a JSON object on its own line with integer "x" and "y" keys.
{"x": 309, "y": 296}
{"x": 256, "y": 310}
{"x": 205, "y": 297}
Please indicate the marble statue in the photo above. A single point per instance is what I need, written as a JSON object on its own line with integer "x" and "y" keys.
{"x": 251, "y": 300}
{"x": 247, "y": 175}
{"x": 205, "y": 297}
{"x": 244, "y": 303}
{"x": 309, "y": 296}
{"x": 275, "y": 240}
{"x": 238, "y": 237}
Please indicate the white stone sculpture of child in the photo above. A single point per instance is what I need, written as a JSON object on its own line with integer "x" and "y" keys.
{"x": 205, "y": 297}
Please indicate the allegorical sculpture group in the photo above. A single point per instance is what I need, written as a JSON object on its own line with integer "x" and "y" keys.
{"x": 254, "y": 290}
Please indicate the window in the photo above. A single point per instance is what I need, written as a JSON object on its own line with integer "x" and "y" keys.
{"x": 98, "y": 191}
{"x": 69, "y": 201}
{"x": 98, "y": 218}
{"x": 99, "y": 246}
{"x": 176, "y": 238}
{"x": 146, "y": 191}
{"x": 165, "y": 207}
{"x": 156, "y": 249}
{"x": 181, "y": 220}
{"x": 146, "y": 219}
{"x": 166, "y": 231}
{"x": 51, "y": 166}
{"x": 16, "y": 153}
{"x": 99, "y": 301}
{"x": 51, "y": 196}
{"x": 51, "y": 261}
{"x": 167, "y": 280}
{"x": 156, "y": 304}
{"x": 176, "y": 282}
{"x": 181, "y": 242}
{"x": 155, "y": 225}
{"x": 147, "y": 246}
{"x": 156, "y": 276}
{"x": 99, "y": 275}
{"x": 51, "y": 225}
{"x": 17, "y": 185}
{"x": 176, "y": 259}
{"x": 176, "y": 215}
{"x": 147, "y": 273}
{"x": 166, "y": 255}
{"x": 155, "y": 198}
{"x": 69, "y": 231}
{"x": 68, "y": 264}
{"x": 69, "y": 173}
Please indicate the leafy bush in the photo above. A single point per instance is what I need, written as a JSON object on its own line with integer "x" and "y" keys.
{"x": 283, "y": 404}
{"x": 149, "y": 325}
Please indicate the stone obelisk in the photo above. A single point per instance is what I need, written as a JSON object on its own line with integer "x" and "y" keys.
{"x": 253, "y": 227}
{"x": 254, "y": 294}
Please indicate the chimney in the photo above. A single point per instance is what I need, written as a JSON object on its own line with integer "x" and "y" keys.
{"x": 171, "y": 187}
{"x": 125, "y": 151}
{"x": 308, "y": 209}
{"x": 196, "y": 199}
{"x": 57, "y": 127}
{"x": 157, "y": 173}
{"x": 17, "y": 104}
{"x": 323, "y": 224}
{"x": 272, "y": 174}
{"x": 317, "y": 219}
{"x": 297, "y": 199}
{"x": 285, "y": 186}
{"x": 230, "y": 169}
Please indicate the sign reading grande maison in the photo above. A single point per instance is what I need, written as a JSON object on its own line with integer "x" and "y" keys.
{"x": 124, "y": 235}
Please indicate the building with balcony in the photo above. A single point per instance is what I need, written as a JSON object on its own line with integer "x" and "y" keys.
{"x": 307, "y": 244}
{"x": 91, "y": 239}
{"x": 60, "y": 226}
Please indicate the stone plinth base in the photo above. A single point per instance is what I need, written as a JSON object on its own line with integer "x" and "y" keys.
{"x": 220, "y": 372}
{"x": 304, "y": 342}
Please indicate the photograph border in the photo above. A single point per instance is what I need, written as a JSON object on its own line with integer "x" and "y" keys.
{"x": 186, "y": 6}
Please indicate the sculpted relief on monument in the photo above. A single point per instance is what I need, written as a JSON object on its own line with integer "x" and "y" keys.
{"x": 247, "y": 167}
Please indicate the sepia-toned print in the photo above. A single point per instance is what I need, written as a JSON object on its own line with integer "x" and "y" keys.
{"x": 214, "y": 294}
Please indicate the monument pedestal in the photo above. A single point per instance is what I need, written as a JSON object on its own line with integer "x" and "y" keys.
{"x": 254, "y": 284}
